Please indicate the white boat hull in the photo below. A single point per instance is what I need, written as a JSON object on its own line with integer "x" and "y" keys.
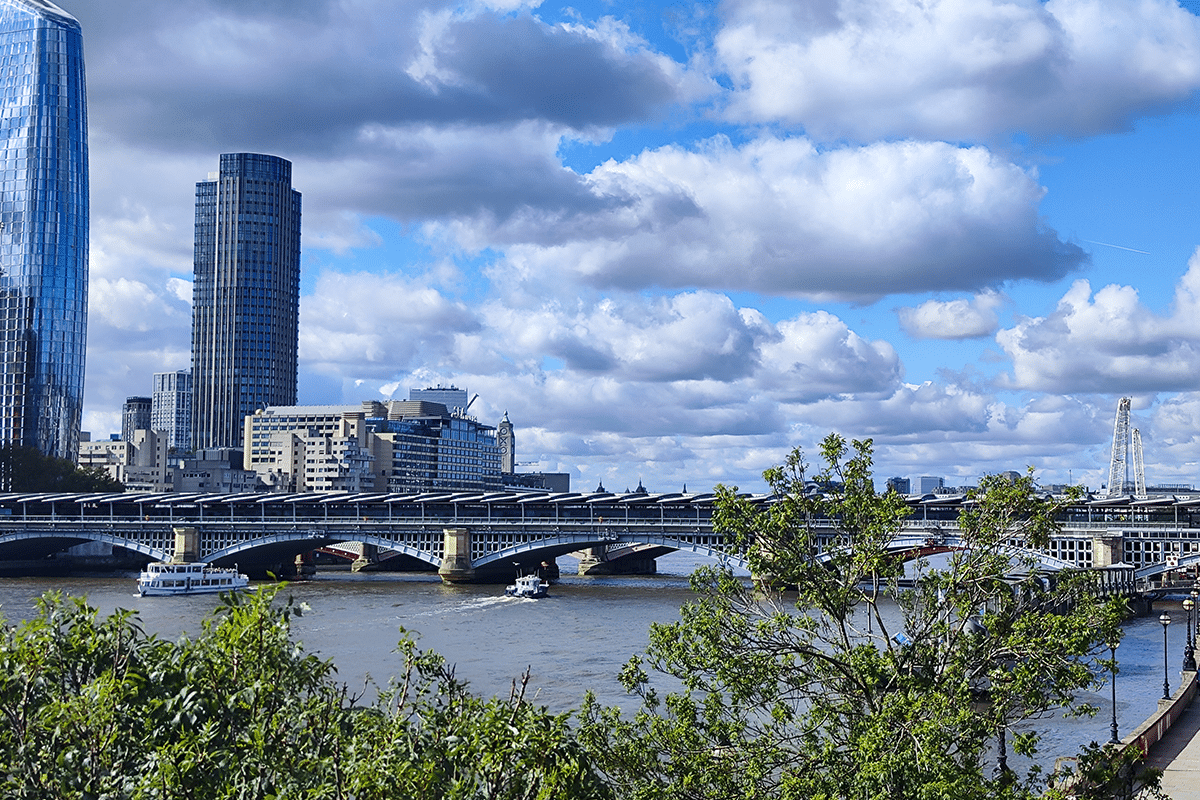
{"x": 162, "y": 579}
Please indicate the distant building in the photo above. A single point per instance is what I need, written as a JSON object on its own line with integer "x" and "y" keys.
{"x": 139, "y": 462}
{"x": 398, "y": 446}
{"x": 450, "y": 396}
{"x": 43, "y": 227}
{"x": 899, "y": 485}
{"x": 245, "y": 297}
{"x": 135, "y": 415}
{"x": 507, "y": 441}
{"x": 171, "y": 408}
{"x": 929, "y": 484}
{"x": 217, "y": 469}
{"x": 541, "y": 481}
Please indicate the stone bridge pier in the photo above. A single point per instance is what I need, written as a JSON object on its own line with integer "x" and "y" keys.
{"x": 456, "y": 556}
{"x": 458, "y": 567}
{"x": 1108, "y": 549}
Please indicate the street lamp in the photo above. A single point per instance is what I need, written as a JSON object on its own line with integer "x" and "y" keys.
{"x": 1189, "y": 650}
{"x": 1112, "y": 646}
{"x": 1196, "y": 599}
{"x": 1165, "y": 619}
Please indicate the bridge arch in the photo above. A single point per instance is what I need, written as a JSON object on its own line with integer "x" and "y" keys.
{"x": 82, "y": 536}
{"x": 312, "y": 540}
{"x": 566, "y": 543}
{"x": 912, "y": 545}
{"x": 1182, "y": 562}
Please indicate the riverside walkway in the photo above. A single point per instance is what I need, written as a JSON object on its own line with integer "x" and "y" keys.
{"x": 1177, "y": 754}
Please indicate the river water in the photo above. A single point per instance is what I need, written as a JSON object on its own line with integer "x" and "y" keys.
{"x": 575, "y": 639}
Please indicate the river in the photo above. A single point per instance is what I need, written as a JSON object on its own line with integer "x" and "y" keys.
{"x": 575, "y": 639}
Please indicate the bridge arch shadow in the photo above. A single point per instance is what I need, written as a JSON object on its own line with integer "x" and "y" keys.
{"x": 567, "y": 543}
{"x": 37, "y": 544}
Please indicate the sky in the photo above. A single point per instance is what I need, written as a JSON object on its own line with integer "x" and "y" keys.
{"x": 674, "y": 241}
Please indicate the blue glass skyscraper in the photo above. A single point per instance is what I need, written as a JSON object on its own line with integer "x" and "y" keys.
{"x": 43, "y": 227}
{"x": 245, "y": 296}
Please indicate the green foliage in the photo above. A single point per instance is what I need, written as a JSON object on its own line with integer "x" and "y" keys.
{"x": 820, "y": 694}
{"x": 26, "y": 469}
{"x": 94, "y": 708}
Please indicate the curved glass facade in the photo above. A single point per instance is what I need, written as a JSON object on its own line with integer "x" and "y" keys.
{"x": 245, "y": 297}
{"x": 43, "y": 227}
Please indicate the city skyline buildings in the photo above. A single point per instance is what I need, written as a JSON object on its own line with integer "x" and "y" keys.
{"x": 245, "y": 295}
{"x": 43, "y": 227}
{"x": 601, "y": 218}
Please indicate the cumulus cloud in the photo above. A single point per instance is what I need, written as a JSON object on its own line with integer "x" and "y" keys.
{"x": 964, "y": 318}
{"x": 308, "y": 79}
{"x": 370, "y": 323}
{"x": 957, "y": 69}
{"x": 781, "y": 216}
{"x": 1109, "y": 342}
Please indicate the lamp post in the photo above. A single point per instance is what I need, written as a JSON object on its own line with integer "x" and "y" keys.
{"x": 1112, "y": 647}
{"x": 1189, "y": 650}
{"x": 1196, "y": 631}
{"x": 1165, "y": 619}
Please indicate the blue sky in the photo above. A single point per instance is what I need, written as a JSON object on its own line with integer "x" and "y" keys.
{"x": 674, "y": 241}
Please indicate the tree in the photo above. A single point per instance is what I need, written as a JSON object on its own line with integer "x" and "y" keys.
{"x": 26, "y": 469}
{"x": 95, "y": 708}
{"x": 817, "y": 694}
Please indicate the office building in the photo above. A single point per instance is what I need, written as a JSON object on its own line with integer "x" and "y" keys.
{"x": 929, "y": 484}
{"x": 171, "y": 408}
{"x": 135, "y": 416}
{"x": 450, "y": 396}
{"x": 899, "y": 485}
{"x": 43, "y": 227}
{"x": 398, "y": 446}
{"x": 245, "y": 297}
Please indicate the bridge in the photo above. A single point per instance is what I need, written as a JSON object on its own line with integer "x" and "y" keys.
{"x": 470, "y": 535}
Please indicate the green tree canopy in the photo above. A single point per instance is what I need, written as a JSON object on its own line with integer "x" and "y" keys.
{"x": 26, "y": 469}
{"x": 815, "y": 692}
{"x": 94, "y": 708}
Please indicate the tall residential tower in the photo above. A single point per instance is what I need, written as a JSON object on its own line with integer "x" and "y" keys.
{"x": 171, "y": 408}
{"x": 246, "y": 295}
{"x": 43, "y": 227}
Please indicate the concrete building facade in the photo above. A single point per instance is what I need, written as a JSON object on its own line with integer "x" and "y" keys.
{"x": 398, "y": 446}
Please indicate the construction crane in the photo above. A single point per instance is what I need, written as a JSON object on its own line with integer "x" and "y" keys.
{"x": 1126, "y": 446}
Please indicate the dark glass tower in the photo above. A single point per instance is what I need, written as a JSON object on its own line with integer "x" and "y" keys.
{"x": 135, "y": 416}
{"x": 246, "y": 295}
{"x": 43, "y": 227}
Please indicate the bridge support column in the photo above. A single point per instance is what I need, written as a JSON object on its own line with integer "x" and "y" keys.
{"x": 368, "y": 556}
{"x": 187, "y": 545}
{"x": 456, "y": 556}
{"x": 1108, "y": 549}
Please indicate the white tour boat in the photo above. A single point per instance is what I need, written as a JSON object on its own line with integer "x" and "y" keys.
{"x": 166, "y": 578}
{"x": 528, "y": 586}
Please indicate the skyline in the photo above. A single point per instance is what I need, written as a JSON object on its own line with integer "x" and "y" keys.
{"x": 671, "y": 241}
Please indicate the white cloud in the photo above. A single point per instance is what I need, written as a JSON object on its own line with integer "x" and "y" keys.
{"x": 964, "y": 318}
{"x": 1109, "y": 342}
{"x": 957, "y": 69}
{"x": 365, "y": 325}
{"x": 781, "y": 216}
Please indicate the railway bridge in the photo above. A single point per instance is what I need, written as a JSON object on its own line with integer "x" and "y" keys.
{"x": 475, "y": 536}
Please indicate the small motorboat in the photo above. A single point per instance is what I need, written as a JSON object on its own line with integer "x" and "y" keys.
{"x": 528, "y": 586}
